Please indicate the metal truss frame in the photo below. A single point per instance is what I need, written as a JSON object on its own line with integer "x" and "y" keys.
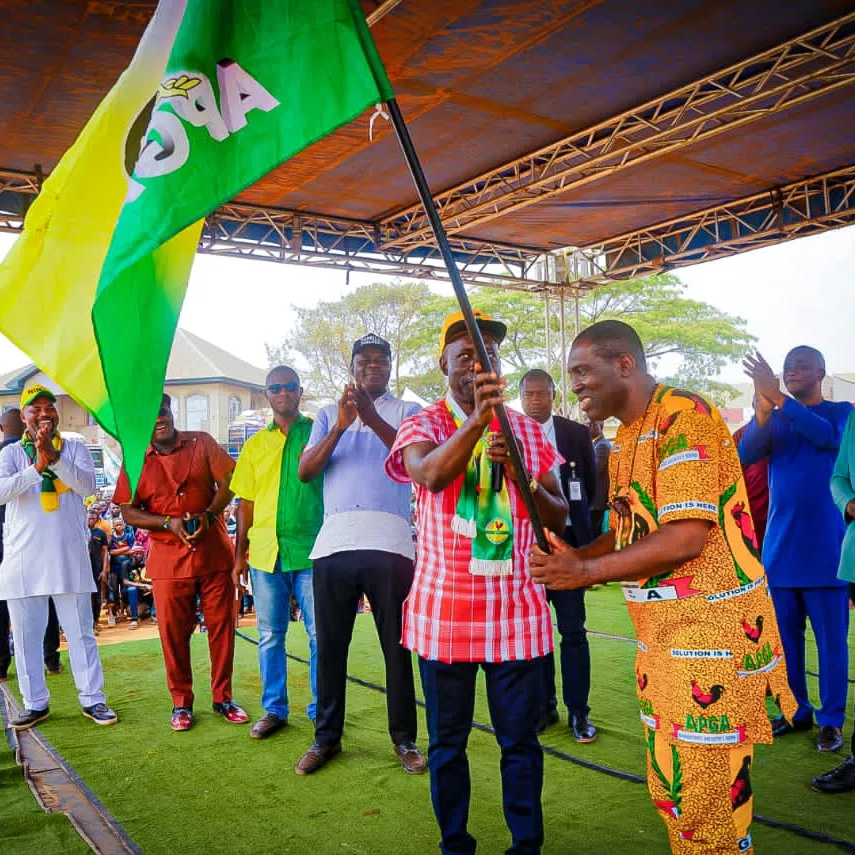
{"x": 795, "y": 210}
{"x": 296, "y": 237}
{"x": 791, "y": 73}
{"x": 315, "y": 240}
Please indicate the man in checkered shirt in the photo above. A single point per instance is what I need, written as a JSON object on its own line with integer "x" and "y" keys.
{"x": 459, "y": 615}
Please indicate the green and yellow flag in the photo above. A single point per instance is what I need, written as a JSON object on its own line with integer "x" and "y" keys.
{"x": 218, "y": 94}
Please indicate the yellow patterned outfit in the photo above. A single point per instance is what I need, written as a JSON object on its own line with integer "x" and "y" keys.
{"x": 708, "y": 645}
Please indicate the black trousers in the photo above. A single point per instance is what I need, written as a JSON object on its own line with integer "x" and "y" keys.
{"x": 51, "y": 642}
{"x": 339, "y": 581}
{"x": 574, "y": 654}
{"x": 449, "y": 707}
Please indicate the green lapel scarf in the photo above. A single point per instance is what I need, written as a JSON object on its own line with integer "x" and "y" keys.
{"x": 482, "y": 515}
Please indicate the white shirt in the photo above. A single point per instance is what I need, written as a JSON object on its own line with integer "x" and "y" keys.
{"x": 45, "y": 552}
{"x": 549, "y": 431}
{"x": 376, "y": 530}
{"x": 363, "y": 507}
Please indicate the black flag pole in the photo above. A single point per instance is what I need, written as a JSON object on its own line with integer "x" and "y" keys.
{"x": 426, "y": 198}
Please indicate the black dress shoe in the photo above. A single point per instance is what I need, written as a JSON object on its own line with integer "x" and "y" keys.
{"x": 830, "y": 739}
{"x": 781, "y": 727}
{"x": 547, "y": 719}
{"x": 583, "y": 730}
{"x": 839, "y": 780}
{"x": 29, "y": 718}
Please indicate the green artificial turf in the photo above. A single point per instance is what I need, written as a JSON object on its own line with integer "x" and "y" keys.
{"x": 24, "y": 826}
{"x": 215, "y": 790}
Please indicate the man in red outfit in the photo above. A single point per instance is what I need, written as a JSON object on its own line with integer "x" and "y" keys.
{"x": 757, "y": 486}
{"x": 183, "y": 489}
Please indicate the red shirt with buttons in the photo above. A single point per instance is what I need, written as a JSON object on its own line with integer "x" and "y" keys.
{"x": 184, "y": 481}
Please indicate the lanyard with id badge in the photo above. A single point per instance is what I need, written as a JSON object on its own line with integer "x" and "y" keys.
{"x": 574, "y": 484}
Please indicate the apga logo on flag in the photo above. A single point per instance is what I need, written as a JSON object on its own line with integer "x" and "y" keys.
{"x": 188, "y": 96}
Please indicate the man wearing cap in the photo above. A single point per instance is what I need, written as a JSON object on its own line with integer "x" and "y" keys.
{"x": 183, "y": 489}
{"x": 473, "y": 603}
{"x": 364, "y": 545}
{"x": 43, "y": 482}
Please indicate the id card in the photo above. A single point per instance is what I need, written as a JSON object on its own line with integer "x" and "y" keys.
{"x": 575, "y": 490}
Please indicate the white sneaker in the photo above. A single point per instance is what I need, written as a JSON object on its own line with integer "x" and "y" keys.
{"x": 134, "y": 625}
{"x": 111, "y": 620}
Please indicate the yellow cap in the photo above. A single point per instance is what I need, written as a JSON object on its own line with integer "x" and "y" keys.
{"x": 455, "y": 326}
{"x": 35, "y": 391}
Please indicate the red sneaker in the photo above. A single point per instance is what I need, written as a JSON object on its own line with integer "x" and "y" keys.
{"x": 182, "y": 719}
{"x": 231, "y": 712}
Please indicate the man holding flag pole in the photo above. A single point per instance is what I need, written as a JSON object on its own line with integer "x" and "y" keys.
{"x": 202, "y": 112}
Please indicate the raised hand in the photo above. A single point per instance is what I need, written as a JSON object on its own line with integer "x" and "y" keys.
{"x": 347, "y": 410}
{"x": 364, "y": 404}
{"x": 766, "y": 384}
{"x": 489, "y": 391}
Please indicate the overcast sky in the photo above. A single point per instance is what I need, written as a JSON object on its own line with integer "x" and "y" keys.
{"x": 801, "y": 292}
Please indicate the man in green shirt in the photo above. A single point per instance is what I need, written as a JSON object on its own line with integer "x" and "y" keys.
{"x": 278, "y": 518}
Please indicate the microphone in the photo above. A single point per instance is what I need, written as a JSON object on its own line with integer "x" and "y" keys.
{"x": 497, "y": 470}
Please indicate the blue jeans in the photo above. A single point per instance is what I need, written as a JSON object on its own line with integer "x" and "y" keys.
{"x": 272, "y": 594}
{"x": 132, "y": 595}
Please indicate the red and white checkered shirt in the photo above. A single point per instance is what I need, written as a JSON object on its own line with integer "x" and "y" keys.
{"x": 452, "y": 615}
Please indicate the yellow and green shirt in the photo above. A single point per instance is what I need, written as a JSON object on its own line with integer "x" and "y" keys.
{"x": 287, "y": 513}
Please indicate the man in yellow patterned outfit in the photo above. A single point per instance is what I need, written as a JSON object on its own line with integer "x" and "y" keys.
{"x": 682, "y": 543}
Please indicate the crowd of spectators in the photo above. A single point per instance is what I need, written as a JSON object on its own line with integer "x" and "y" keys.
{"x": 118, "y": 554}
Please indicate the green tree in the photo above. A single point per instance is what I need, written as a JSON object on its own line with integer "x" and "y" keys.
{"x": 323, "y": 335}
{"x": 671, "y": 324}
{"x": 410, "y": 316}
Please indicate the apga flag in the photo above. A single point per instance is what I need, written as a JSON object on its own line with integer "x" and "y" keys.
{"x": 247, "y": 84}
{"x": 50, "y": 276}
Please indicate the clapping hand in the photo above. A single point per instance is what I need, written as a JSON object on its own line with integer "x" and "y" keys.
{"x": 347, "y": 409}
{"x": 46, "y": 453}
{"x": 766, "y": 385}
{"x": 364, "y": 403}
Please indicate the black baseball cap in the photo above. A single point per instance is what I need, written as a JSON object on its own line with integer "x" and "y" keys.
{"x": 371, "y": 340}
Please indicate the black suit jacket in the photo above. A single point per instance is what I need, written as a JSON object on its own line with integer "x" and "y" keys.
{"x": 575, "y": 446}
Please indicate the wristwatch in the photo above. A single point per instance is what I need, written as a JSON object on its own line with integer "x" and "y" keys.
{"x": 166, "y": 520}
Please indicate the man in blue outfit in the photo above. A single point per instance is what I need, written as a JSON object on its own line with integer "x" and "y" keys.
{"x": 801, "y": 436}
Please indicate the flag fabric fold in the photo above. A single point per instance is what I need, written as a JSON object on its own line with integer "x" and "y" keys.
{"x": 49, "y": 278}
{"x": 236, "y": 88}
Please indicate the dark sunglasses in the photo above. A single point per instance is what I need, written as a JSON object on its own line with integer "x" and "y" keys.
{"x": 276, "y": 388}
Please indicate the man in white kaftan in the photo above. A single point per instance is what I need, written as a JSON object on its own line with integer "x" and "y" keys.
{"x": 43, "y": 481}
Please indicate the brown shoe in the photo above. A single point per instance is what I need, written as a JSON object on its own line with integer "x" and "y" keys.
{"x": 411, "y": 758}
{"x": 316, "y": 757}
{"x": 267, "y": 726}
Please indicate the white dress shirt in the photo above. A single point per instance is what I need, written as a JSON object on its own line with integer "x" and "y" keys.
{"x": 45, "y": 552}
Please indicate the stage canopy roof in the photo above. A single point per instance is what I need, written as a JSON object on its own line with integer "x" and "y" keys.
{"x": 622, "y": 138}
